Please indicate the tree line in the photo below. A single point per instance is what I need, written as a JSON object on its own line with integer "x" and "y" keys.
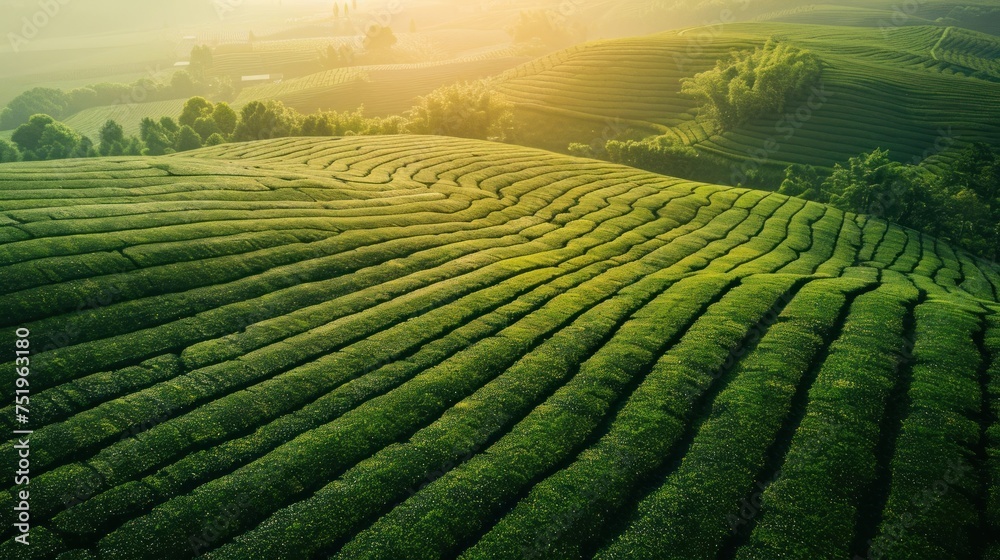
{"x": 470, "y": 110}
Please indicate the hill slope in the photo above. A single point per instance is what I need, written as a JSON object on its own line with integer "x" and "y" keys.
{"x": 919, "y": 91}
{"x": 415, "y": 347}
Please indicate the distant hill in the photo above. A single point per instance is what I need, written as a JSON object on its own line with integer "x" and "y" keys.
{"x": 923, "y": 92}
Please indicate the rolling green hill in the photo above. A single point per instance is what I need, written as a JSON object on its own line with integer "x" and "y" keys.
{"x": 920, "y": 91}
{"x": 418, "y": 347}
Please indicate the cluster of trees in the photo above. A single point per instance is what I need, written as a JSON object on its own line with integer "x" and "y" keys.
{"x": 201, "y": 123}
{"x": 960, "y": 204}
{"x": 656, "y": 153}
{"x": 466, "y": 110}
{"x": 752, "y": 83}
{"x": 60, "y": 104}
{"x": 42, "y": 137}
{"x": 548, "y": 26}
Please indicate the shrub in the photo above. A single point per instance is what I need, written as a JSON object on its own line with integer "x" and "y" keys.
{"x": 750, "y": 84}
{"x": 466, "y": 110}
{"x": 260, "y": 120}
{"x": 9, "y": 152}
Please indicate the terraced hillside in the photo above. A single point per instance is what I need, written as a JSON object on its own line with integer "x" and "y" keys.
{"x": 416, "y": 347}
{"x": 920, "y": 91}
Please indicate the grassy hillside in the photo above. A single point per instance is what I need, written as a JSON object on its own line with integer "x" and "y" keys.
{"x": 911, "y": 89}
{"x": 416, "y": 347}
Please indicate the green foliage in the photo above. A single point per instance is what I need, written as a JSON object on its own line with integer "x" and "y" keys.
{"x": 9, "y": 152}
{"x": 962, "y": 203}
{"x": 112, "y": 139}
{"x": 417, "y": 346}
{"x": 663, "y": 154}
{"x": 466, "y": 110}
{"x": 60, "y": 104}
{"x": 225, "y": 118}
{"x": 268, "y": 119}
{"x": 802, "y": 181}
{"x": 187, "y": 139}
{"x": 751, "y": 84}
{"x": 35, "y": 101}
{"x": 215, "y": 140}
{"x": 194, "y": 109}
{"x": 810, "y": 510}
{"x": 157, "y": 138}
{"x": 44, "y": 138}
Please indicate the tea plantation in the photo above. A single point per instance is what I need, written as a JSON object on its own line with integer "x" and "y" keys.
{"x": 410, "y": 347}
{"x": 920, "y": 91}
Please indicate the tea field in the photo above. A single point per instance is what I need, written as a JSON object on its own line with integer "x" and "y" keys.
{"x": 418, "y": 347}
{"x": 920, "y": 91}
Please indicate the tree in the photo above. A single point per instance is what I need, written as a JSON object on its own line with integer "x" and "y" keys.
{"x": 467, "y": 110}
{"x": 80, "y": 99}
{"x": 205, "y": 127}
{"x": 35, "y": 101}
{"x": 157, "y": 139}
{"x": 225, "y": 118}
{"x": 379, "y": 38}
{"x": 194, "y": 109}
{"x": 28, "y": 136}
{"x": 84, "y": 148}
{"x": 112, "y": 139}
{"x": 215, "y": 140}
{"x": 201, "y": 61}
{"x": 169, "y": 124}
{"x": 347, "y": 12}
{"x": 44, "y": 138}
{"x": 187, "y": 139}
{"x": 268, "y": 119}
{"x": 336, "y": 10}
{"x": 9, "y": 152}
{"x": 802, "y": 181}
{"x": 873, "y": 184}
{"x": 59, "y": 141}
{"x": 182, "y": 84}
{"x": 752, "y": 83}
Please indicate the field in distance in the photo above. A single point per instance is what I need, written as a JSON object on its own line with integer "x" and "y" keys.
{"x": 419, "y": 347}
{"x": 910, "y": 89}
